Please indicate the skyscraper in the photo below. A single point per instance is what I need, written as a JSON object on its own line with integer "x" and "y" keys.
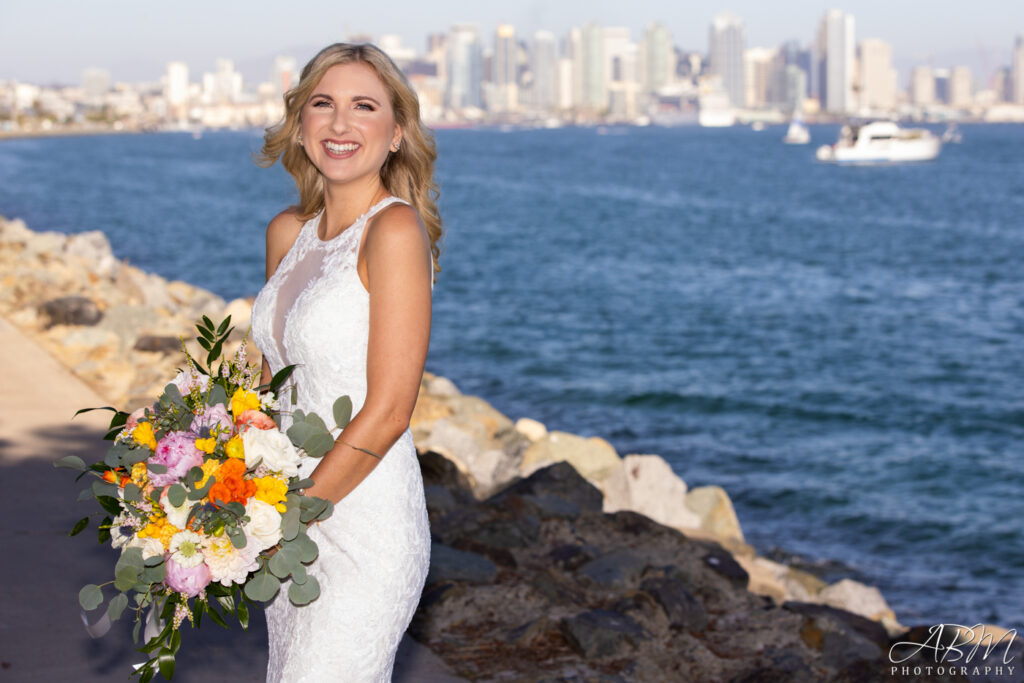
{"x": 961, "y": 87}
{"x": 922, "y": 86}
{"x": 465, "y": 68}
{"x": 657, "y": 58}
{"x": 176, "y": 85}
{"x": 877, "y": 75}
{"x": 506, "y": 69}
{"x": 544, "y": 65}
{"x": 593, "y": 74}
{"x": 837, "y": 51}
{"x": 727, "y": 41}
{"x": 285, "y": 74}
{"x": 1017, "y": 74}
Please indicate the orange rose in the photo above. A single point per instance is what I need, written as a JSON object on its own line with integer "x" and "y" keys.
{"x": 254, "y": 418}
{"x": 231, "y": 485}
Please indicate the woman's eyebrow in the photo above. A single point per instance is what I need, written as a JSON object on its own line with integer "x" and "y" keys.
{"x": 365, "y": 97}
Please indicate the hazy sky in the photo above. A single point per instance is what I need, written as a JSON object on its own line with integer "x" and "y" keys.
{"x": 47, "y": 41}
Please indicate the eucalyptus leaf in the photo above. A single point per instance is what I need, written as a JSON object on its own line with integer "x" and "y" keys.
{"x": 131, "y": 456}
{"x": 304, "y": 593}
{"x": 71, "y": 462}
{"x": 154, "y": 574}
{"x": 132, "y": 493}
{"x": 199, "y": 493}
{"x": 318, "y": 445}
{"x": 342, "y": 411}
{"x": 299, "y": 574}
{"x": 307, "y": 548}
{"x": 262, "y": 587}
{"x": 157, "y": 468}
{"x": 100, "y": 488}
{"x": 130, "y": 557}
{"x": 176, "y": 495}
{"x": 316, "y": 421}
{"x": 126, "y": 579}
{"x": 283, "y": 561}
{"x": 86, "y": 494}
{"x": 239, "y": 540}
{"x": 90, "y": 597}
{"x": 217, "y": 395}
{"x": 117, "y": 606}
{"x": 290, "y": 523}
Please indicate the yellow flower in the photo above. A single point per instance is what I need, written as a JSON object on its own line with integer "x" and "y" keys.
{"x": 140, "y": 475}
{"x": 234, "y": 447}
{"x": 206, "y": 445}
{"x": 244, "y": 400}
{"x": 272, "y": 491}
{"x": 210, "y": 468}
{"x": 160, "y": 529}
{"x": 143, "y": 435}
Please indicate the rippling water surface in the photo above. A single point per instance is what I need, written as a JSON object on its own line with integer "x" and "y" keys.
{"x": 841, "y": 348}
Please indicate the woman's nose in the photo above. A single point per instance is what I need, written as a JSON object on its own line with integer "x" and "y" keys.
{"x": 339, "y": 122}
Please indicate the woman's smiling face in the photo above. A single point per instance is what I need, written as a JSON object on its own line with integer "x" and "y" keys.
{"x": 348, "y": 124}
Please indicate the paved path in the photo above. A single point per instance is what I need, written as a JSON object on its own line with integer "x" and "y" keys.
{"x": 41, "y": 634}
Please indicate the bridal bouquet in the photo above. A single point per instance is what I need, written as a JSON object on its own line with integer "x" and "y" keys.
{"x": 203, "y": 498}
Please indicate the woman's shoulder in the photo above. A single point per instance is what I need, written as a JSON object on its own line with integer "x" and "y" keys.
{"x": 282, "y": 231}
{"x": 398, "y": 220}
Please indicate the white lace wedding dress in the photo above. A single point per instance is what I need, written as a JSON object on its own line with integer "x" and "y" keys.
{"x": 375, "y": 549}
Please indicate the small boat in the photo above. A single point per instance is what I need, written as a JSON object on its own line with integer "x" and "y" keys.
{"x": 714, "y": 110}
{"x": 881, "y": 142}
{"x": 953, "y": 134}
{"x": 797, "y": 134}
{"x": 757, "y": 126}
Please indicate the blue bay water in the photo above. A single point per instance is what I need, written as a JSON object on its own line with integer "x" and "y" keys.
{"x": 842, "y": 349}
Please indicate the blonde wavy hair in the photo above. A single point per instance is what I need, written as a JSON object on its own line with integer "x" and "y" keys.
{"x": 407, "y": 173}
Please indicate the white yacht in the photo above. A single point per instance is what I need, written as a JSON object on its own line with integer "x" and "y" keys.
{"x": 797, "y": 134}
{"x": 881, "y": 142}
{"x": 714, "y": 110}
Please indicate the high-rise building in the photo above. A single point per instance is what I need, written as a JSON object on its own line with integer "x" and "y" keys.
{"x": 1017, "y": 71}
{"x": 544, "y": 66}
{"x": 285, "y": 74}
{"x": 622, "y": 57}
{"x": 566, "y": 79}
{"x": 941, "y": 77}
{"x": 464, "y": 68}
{"x": 878, "y": 78}
{"x": 224, "y": 85}
{"x": 176, "y": 85}
{"x": 922, "y": 86}
{"x": 657, "y": 58}
{"x": 836, "y": 50}
{"x": 961, "y": 87}
{"x": 505, "y": 75}
{"x": 96, "y": 85}
{"x": 727, "y": 42}
{"x": 593, "y": 74}
{"x": 758, "y": 67}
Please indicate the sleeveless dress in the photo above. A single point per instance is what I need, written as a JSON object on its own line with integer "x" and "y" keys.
{"x": 375, "y": 548}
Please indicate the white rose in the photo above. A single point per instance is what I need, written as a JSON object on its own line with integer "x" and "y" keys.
{"x": 151, "y": 547}
{"x": 264, "y": 527}
{"x": 273, "y": 448}
{"x": 177, "y": 516}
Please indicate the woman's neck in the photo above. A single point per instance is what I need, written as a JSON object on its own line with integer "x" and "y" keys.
{"x": 343, "y": 204}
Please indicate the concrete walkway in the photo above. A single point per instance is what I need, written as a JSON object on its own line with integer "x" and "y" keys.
{"x": 41, "y": 633}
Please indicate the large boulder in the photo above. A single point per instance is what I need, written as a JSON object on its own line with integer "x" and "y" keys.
{"x": 717, "y": 515}
{"x": 71, "y": 310}
{"x": 93, "y": 248}
{"x": 647, "y": 484}
{"x": 856, "y": 597}
{"x": 594, "y": 458}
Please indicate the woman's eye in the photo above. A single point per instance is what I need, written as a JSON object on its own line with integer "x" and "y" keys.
{"x": 364, "y": 106}
{"x": 321, "y": 102}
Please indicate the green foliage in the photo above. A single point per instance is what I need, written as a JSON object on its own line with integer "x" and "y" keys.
{"x": 262, "y": 587}
{"x": 72, "y": 462}
{"x": 304, "y": 593}
{"x": 79, "y": 526}
{"x": 90, "y": 597}
{"x": 342, "y": 411}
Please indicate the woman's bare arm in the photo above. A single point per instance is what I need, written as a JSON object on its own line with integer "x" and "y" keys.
{"x": 398, "y": 266}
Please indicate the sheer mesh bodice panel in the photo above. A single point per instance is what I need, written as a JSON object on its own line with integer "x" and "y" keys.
{"x": 375, "y": 550}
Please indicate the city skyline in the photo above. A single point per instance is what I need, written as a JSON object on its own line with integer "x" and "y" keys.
{"x": 135, "y": 42}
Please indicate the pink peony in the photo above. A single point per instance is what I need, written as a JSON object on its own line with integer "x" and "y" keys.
{"x": 211, "y": 417}
{"x": 189, "y": 581}
{"x": 254, "y": 418}
{"x": 133, "y": 419}
{"x": 189, "y": 379}
{"x": 177, "y": 450}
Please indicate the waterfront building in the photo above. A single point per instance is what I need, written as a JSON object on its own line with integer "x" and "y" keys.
{"x": 878, "y": 78}
{"x": 566, "y": 99}
{"x": 224, "y": 86}
{"x": 95, "y": 86}
{"x": 922, "y": 86}
{"x": 728, "y": 40}
{"x": 285, "y": 74}
{"x": 593, "y": 74}
{"x": 961, "y": 88}
{"x": 759, "y": 66}
{"x": 505, "y": 70}
{"x": 657, "y": 65}
{"x": 836, "y": 52}
{"x": 544, "y": 65}
{"x": 1017, "y": 72}
{"x": 464, "y": 60}
{"x": 941, "y": 77}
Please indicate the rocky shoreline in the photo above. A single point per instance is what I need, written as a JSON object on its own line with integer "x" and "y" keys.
{"x": 554, "y": 558}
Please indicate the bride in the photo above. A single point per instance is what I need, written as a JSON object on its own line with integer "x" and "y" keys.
{"x": 350, "y": 272}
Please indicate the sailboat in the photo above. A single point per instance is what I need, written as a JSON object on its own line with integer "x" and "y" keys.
{"x": 797, "y": 134}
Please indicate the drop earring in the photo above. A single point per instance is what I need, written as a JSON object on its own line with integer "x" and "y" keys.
{"x": 298, "y": 141}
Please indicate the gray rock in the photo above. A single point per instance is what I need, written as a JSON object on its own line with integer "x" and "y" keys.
{"x": 449, "y": 564}
{"x": 560, "y": 481}
{"x": 724, "y": 563}
{"x": 93, "y": 247}
{"x": 158, "y": 343}
{"x": 786, "y": 666}
{"x": 551, "y": 506}
{"x": 71, "y": 310}
{"x": 439, "y": 499}
{"x": 127, "y": 322}
{"x": 571, "y": 556}
{"x": 619, "y": 569}
{"x": 602, "y": 633}
{"x": 681, "y": 607}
